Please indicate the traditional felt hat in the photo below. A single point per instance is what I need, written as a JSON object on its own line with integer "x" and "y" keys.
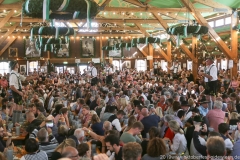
{"x": 197, "y": 118}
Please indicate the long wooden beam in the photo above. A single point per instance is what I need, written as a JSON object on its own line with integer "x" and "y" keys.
{"x": 95, "y": 34}
{"x": 135, "y": 2}
{"x": 142, "y": 51}
{"x": 214, "y": 4}
{"x": 39, "y": 20}
{"x": 144, "y": 32}
{"x": 165, "y": 56}
{"x": 165, "y": 26}
{"x": 200, "y": 19}
{"x": 10, "y": 31}
{"x": 98, "y": 28}
{"x": 10, "y": 41}
{"x": 150, "y": 51}
{"x": 6, "y": 19}
{"x": 105, "y": 3}
{"x": 152, "y": 9}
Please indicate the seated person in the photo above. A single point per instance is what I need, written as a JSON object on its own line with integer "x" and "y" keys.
{"x": 33, "y": 152}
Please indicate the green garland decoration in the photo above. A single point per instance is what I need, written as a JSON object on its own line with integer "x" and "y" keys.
{"x": 60, "y": 10}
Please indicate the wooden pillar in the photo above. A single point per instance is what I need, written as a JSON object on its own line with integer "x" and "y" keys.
{"x": 101, "y": 51}
{"x": 169, "y": 54}
{"x": 150, "y": 50}
{"x": 234, "y": 42}
{"x": 194, "y": 61}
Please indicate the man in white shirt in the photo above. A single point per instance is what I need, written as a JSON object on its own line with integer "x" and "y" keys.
{"x": 92, "y": 73}
{"x": 210, "y": 77}
{"x": 176, "y": 68}
{"x": 155, "y": 66}
{"x": 15, "y": 81}
{"x": 109, "y": 72}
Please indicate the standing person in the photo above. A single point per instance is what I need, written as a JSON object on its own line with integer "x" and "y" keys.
{"x": 15, "y": 81}
{"x": 176, "y": 68}
{"x": 155, "y": 67}
{"x": 210, "y": 77}
{"x": 92, "y": 73}
{"x": 109, "y": 72}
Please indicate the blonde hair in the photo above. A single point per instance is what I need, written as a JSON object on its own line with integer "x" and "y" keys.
{"x": 234, "y": 115}
{"x": 175, "y": 127}
{"x": 122, "y": 103}
{"x": 191, "y": 102}
{"x": 67, "y": 142}
{"x": 158, "y": 112}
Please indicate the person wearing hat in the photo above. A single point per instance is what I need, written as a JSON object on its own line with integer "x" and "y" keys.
{"x": 15, "y": 81}
{"x": 108, "y": 70}
{"x": 176, "y": 68}
{"x": 203, "y": 108}
{"x": 92, "y": 73}
{"x": 210, "y": 77}
{"x": 187, "y": 108}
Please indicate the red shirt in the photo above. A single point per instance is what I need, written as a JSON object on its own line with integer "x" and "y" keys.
{"x": 169, "y": 134}
{"x": 162, "y": 105}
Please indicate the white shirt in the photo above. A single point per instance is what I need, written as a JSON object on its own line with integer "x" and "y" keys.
{"x": 213, "y": 72}
{"x": 13, "y": 79}
{"x": 108, "y": 71}
{"x": 117, "y": 124}
{"x": 179, "y": 145}
{"x": 176, "y": 68}
{"x": 92, "y": 71}
{"x": 155, "y": 65}
{"x": 193, "y": 151}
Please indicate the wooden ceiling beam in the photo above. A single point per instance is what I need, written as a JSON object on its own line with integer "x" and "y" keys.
{"x": 94, "y": 34}
{"x": 39, "y": 20}
{"x": 200, "y": 19}
{"x": 214, "y": 4}
{"x": 99, "y": 28}
{"x": 10, "y": 31}
{"x": 6, "y": 19}
{"x": 143, "y": 30}
{"x": 1, "y": 1}
{"x": 105, "y": 3}
{"x": 165, "y": 56}
{"x": 142, "y": 51}
{"x": 152, "y": 9}
{"x": 135, "y": 2}
{"x": 9, "y": 43}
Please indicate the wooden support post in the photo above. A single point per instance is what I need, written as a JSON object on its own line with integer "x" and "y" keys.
{"x": 194, "y": 53}
{"x": 169, "y": 53}
{"x": 234, "y": 42}
{"x": 150, "y": 51}
{"x": 142, "y": 51}
{"x": 101, "y": 51}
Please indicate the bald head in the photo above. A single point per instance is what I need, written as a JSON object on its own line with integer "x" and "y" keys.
{"x": 107, "y": 126}
{"x": 144, "y": 112}
{"x": 70, "y": 152}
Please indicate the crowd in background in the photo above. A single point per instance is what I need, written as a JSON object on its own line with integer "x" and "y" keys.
{"x": 134, "y": 115}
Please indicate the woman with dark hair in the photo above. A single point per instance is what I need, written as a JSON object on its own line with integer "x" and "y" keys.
{"x": 153, "y": 132}
{"x": 33, "y": 152}
{"x": 84, "y": 151}
{"x": 156, "y": 149}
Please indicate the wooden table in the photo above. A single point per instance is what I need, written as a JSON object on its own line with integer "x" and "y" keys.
{"x": 19, "y": 152}
{"x": 16, "y": 138}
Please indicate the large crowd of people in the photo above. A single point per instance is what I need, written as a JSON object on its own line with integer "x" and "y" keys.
{"x": 106, "y": 113}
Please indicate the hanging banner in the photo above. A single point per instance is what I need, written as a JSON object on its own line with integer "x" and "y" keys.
{"x": 230, "y": 64}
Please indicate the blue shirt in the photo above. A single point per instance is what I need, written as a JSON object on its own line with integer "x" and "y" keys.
{"x": 203, "y": 111}
{"x": 148, "y": 122}
{"x": 236, "y": 149}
